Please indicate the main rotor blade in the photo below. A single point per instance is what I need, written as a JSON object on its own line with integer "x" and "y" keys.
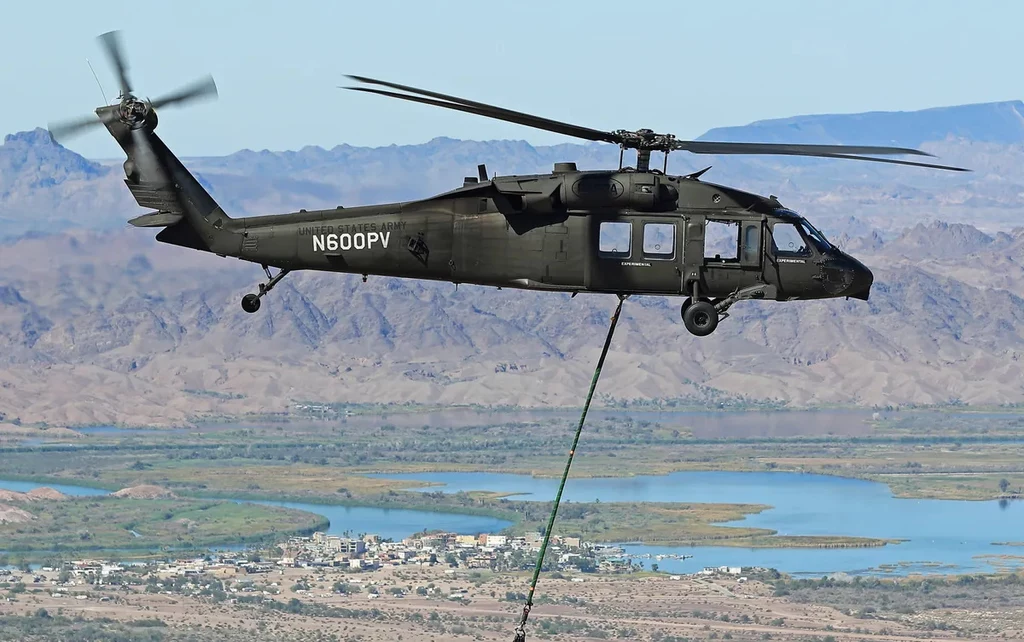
{"x": 861, "y": 158}
{"x": 708, "y": 147}
{"x": 891, "y": 160}
{"x": 68, "y": 128}
{"x": 112, "y": 42}
{"x": 198, "y": 89}
{"x": 644, "y": 139}
{"x": 483, "y": 109}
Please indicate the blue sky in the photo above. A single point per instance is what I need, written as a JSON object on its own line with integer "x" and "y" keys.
{"x": 675, "y": 66}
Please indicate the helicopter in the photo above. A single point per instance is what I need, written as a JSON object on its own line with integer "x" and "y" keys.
{"x": 628, "y": 231}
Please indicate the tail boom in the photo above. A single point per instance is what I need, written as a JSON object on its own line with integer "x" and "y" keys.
{"x": 159, "y": 181}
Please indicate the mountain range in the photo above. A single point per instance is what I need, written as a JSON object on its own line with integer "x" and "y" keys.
{"x": 44, "y": 186}
{"x": 100, "y": 324}
{"x": 1001, "y": 123}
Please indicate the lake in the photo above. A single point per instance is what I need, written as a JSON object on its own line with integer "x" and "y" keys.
{"x": 953, "y": 534}
{"x": 386, "y": 522}
{"x": 943, "y": 536}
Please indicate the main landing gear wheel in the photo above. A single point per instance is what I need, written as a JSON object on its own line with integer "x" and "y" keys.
{"x": 700, "y": 318}
{"x": 688, "y": 301}
{"x": 251, "y": 302}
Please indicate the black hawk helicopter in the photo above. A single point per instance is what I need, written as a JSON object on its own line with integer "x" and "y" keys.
{"x": 633, "y": 230}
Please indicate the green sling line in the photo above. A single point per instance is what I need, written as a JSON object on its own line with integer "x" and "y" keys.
{"x": 521, "y": 629}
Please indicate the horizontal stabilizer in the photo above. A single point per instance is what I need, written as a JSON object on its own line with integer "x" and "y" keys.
{"x": 156, "y": 219}
{"x": 159, "y": 196}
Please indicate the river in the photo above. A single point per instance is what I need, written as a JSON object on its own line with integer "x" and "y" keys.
{"x": 942, "y": 536}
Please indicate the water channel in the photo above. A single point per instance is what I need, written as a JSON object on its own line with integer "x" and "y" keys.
{"x": 942, "y": 536}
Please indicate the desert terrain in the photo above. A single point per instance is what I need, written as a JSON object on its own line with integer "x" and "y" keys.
{"x": 650, "y": 607}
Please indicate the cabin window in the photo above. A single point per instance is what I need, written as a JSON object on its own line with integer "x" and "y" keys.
{"x": 614, "y": 239}
{"x": 750, "y": 254}
{"x": 722, "y": 240}
{"x": 659, "y": 240}
{"x": 787, "y": 241}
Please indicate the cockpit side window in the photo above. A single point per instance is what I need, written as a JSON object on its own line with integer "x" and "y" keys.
{"x": 816, "y": 237}
{"x": 787, "y": 241}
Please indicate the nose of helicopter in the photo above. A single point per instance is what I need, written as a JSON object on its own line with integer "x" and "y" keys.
{"x": 860, "y": 287}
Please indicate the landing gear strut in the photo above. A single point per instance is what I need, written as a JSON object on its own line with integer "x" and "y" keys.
{"x": 251, "y": 302}
{"x": 701, "y": 316}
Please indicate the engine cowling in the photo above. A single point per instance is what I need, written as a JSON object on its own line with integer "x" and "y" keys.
{"x": 620, "y": 190}
{"x": 553, "y": 194}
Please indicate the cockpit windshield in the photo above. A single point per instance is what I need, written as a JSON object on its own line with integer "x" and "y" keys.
{"x": 816, "y": 237}
{"x": 810, "y": 234}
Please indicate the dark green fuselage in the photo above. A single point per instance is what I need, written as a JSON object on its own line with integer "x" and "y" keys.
{"x": 621, "y": 232}
{"x": 463, "y": 238}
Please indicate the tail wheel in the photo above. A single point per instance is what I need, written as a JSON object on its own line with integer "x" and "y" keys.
{"x": 700, "y": 318}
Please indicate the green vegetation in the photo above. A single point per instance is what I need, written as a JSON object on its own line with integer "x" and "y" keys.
{"x": 114, "y": 523}
{"x": 961, "y": 485}
{"x": 932, "y": 601}
{"x": 668, "y": 524}
{"x": 951, "y": 454}
{"x": 43, "y": 626}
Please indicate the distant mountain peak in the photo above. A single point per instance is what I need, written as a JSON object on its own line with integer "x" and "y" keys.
{"x": 34, "y": 159}
{"x": 939, "y": 239}
{"x": 995, "y": 122}
{"x": 37, "y": 136}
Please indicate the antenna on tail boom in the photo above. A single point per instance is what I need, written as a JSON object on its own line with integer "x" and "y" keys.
{"x": 102, "y": 93}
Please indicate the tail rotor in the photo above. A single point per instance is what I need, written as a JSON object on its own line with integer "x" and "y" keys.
{"x": 130, "y": 110}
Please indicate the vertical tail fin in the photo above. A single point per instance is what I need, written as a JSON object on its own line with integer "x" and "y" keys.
{"x": 155, "y": 177}
{"x": 158, "y": 180}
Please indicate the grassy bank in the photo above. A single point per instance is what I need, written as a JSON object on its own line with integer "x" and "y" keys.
{"x": 942, "y": 453}
{"x": 114, "y": 523}
{"x": 670, "y": 524}
{"x": 653, "y": 523}
{"x": 948, "y": 455}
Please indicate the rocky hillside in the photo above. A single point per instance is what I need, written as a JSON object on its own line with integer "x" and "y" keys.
{"x": 89, "y": 321}
{"x": 100, "y": 324}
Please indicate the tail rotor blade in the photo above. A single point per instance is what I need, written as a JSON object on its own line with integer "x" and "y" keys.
{"x": 112, "y": 43}
{"x": 202, "y": 88}
{"x": 69, "y": 128}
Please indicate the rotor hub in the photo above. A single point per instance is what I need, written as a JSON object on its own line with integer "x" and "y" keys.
{"x": 130, "y": 111}
{"x": 645, "y": 140}
{"x": 133, "y": 111}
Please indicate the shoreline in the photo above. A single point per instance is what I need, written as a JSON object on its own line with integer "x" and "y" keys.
{"x": 762, "y": 538}
{"x": 264, "y": 529}
{"x": 898, "y": 492}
